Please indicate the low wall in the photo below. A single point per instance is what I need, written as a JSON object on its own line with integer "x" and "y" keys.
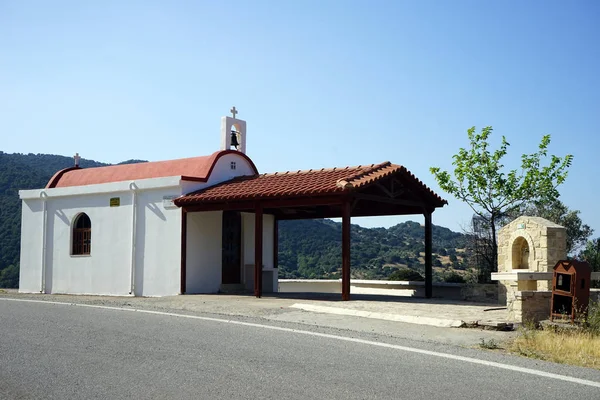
{"x": 531, "y": 305}
{"x": 452, "y": 291}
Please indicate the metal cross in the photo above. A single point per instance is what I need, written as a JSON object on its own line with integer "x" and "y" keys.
{"x": 233, "y": 111}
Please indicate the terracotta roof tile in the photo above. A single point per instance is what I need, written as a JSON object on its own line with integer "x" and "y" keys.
{"x": 301, "y": 183}
{"x": 195, "y": 168}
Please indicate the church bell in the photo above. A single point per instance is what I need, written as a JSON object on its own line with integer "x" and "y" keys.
{"x": 234, "y": 139}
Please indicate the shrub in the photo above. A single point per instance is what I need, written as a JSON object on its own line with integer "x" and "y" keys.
{"x": 454, "y": 277}
{"x": 406, "y": 274}
{"x": 592, "y": 323}
{"x": 9, "y": 277}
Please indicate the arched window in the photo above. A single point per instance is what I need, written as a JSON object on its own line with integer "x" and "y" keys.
{"x": 82, "y": 235}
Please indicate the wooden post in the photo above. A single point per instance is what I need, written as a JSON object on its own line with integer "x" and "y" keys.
{"x": 258, "y": 250}
{"x": 183, "y": 250}
{"x": 346, "y": 250}
{"x": 275, "y": 243}
{"x": 428, "y": 256}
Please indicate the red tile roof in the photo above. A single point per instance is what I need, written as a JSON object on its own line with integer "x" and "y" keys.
{"x": 195, "y": 168}
{"x": 302, "y": 183}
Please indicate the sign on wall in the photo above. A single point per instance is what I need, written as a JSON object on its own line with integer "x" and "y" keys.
{"x": 168, "y": 202}
{"x": 115, "y": 201}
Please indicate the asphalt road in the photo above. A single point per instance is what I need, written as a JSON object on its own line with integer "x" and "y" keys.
{"x": 68, "y": 352}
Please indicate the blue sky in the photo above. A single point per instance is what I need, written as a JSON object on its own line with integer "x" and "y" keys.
{"x": 320, "y": 83}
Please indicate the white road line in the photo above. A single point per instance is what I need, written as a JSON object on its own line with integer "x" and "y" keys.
{"x": 342, "y": 338}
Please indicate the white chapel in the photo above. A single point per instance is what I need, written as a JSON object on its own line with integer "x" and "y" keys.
{"x": 195, "y": 225}
{"x": 115, "y": 230}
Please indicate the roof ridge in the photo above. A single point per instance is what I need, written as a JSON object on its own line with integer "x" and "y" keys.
{"x": 307, "y": 171}
{"x": 346, "y": 182}
{"x": 194, "y": 168}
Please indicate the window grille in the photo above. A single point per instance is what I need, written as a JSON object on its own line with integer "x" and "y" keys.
{"x": 82, "y": 235}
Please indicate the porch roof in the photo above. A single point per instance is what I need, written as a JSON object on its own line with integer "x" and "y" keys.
{"x": 392, "y": 188}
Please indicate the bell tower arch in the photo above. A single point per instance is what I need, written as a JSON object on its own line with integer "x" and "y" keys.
{"x": 233, "y": 133}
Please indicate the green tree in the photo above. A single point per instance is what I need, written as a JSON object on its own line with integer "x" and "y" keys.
{"x": 9, "y": 277}
{"x": 591, "y": 253}
{"x": 492, "y": 193}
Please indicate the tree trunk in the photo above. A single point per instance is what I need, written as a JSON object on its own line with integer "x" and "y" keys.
{"x": 494, "y": 244}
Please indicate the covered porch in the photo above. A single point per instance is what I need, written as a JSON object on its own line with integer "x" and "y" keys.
{"x": 373, "y": 190}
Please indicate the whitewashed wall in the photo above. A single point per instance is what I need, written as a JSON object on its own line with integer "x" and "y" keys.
{"x": 30, "y": 278}
{"x": 204, "y": 255}
{"x": 158, "y": 247}
{"x": 107, "y": 270}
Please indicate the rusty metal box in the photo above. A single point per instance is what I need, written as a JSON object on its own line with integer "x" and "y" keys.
{"x": 570, "y": 289}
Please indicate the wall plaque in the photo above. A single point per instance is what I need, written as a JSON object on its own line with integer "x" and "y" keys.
{"x": 168, "y": 202}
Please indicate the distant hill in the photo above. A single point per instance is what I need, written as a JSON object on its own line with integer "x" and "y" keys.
{"x": 312, "y": 249}
{"x": 307, "y": 249}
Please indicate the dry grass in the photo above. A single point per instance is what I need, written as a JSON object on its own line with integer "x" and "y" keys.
{"x": 575, "y": 347}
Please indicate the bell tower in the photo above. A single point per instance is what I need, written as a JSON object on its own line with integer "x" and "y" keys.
{"x": 233, "y": 133}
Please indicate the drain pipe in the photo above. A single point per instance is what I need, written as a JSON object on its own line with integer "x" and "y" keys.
{"x": 43, "y": 197}
{"x": 133, "y": 187}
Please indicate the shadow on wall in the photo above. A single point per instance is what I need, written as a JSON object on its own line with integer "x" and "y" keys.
{"x": 63, "y": 217}
{"x": 156, "y": 210}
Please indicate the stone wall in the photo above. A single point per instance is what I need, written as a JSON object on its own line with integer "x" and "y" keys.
{"x": 546, "y": 243}
{"x": 529, "y": 306}
{"x": 480, "y": 293}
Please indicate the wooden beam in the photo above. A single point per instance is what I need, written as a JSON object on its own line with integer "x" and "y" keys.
{"x": 397, "y": 202}
{"x": 428, "y": 256}
{"x": 276, "y": 243}
{"x": 384, "y": 189}
{"x": 346, "y": 212}
{"x": 258, "y": 250}
{"x": 359, "y": 211}
{"x": 249, "y": 205}
{"x": 183, "y": 250}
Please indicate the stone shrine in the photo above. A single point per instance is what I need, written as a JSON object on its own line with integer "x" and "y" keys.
{"x": 528, "y": 249}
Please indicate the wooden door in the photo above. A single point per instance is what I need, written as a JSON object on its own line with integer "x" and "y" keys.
{"x": 232, "y": 247}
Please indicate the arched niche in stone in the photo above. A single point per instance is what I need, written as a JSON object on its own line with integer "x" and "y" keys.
{"x": 522, "y": 251}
